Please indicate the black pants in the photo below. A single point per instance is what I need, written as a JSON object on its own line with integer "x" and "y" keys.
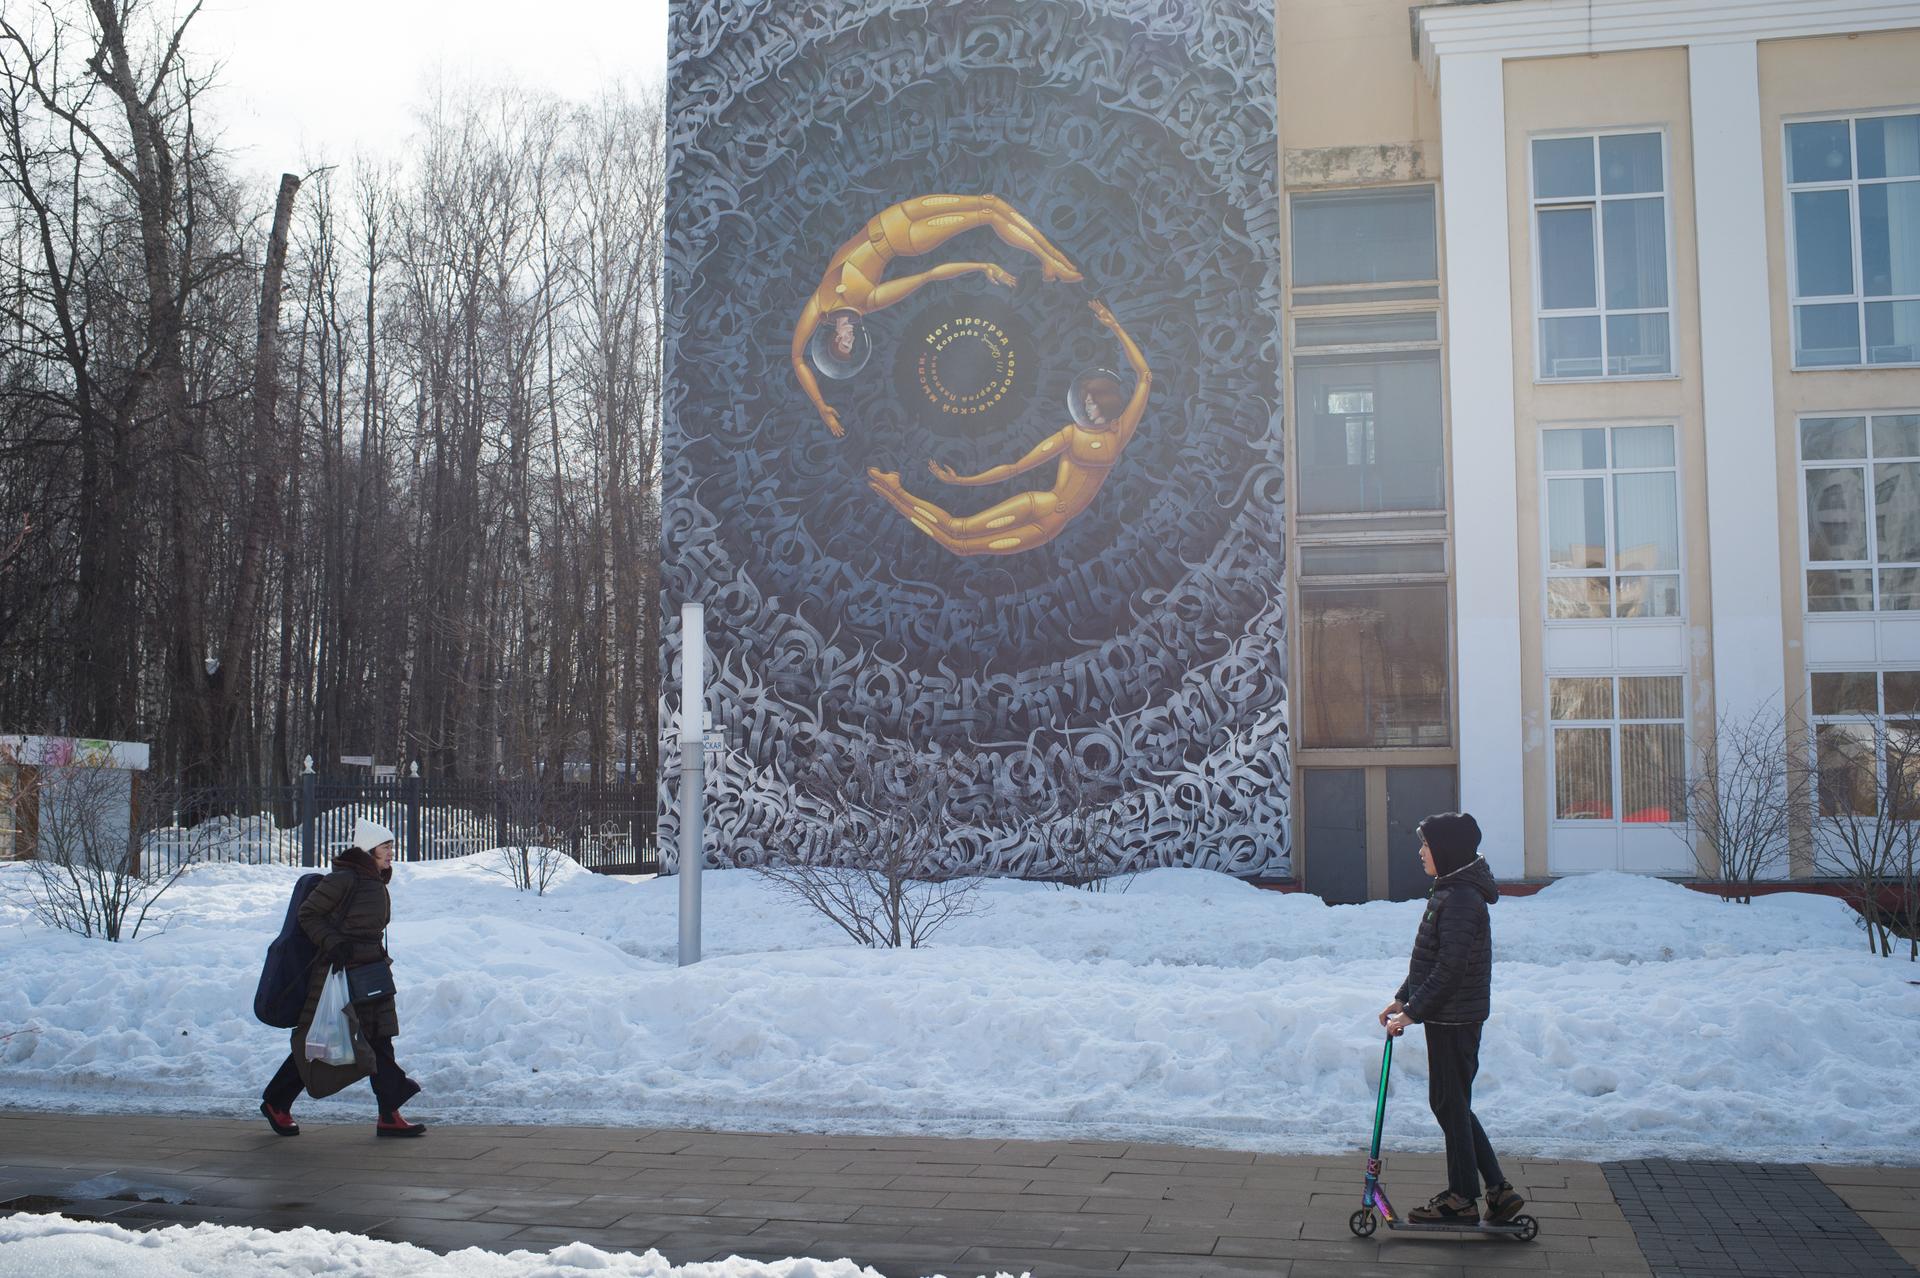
{"x": 1453, "y": 1058}
{"x": 391, "y": 1086}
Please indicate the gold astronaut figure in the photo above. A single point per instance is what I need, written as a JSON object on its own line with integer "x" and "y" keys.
{"x": 853, "y": 287}
{"x": 1087, "y": 451}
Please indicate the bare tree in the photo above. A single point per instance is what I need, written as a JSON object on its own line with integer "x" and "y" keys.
{"x": 85, "y": 874}
{"x": 539, "y": 818}
{"x": 1738, "y": 809}
{"x": 1866, "y": 828}
{"x": 882, "y": 867}
{"x": 1084, "y": 832}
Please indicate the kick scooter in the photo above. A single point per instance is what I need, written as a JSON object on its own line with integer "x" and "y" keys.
{"x": 1374, "y": 1206}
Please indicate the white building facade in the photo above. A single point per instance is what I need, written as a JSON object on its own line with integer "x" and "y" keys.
{"x": 1604, "y": 376}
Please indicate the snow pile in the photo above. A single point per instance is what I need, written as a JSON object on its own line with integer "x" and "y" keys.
{"x": 55, "y": 1247}
{"x": 1631, "y": 1016}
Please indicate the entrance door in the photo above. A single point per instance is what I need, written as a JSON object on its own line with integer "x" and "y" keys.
{"x": 1335, "y": 818}
{"x": 1413, "y": 794}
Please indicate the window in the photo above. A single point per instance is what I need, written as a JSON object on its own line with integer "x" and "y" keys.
{"x": 1861, "y": 720}
{"x": 1374, "y": 660}
{"x": 1613, "y": 523}
{"x": 1370, "y": 436}
{"x": 1619, "y": 746}
{"x": 1350, "y": 238}
{"x": 1600, "y": 251}
{"x": 1853, "y": 194}
{"x": 10, "y": 798}
{"x": 1860, "y": 486}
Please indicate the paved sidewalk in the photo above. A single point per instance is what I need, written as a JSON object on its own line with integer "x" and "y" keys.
{"x": 907, "y": 1206}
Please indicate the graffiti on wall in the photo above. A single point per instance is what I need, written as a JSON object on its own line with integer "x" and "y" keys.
{"x": 973, "y": 417}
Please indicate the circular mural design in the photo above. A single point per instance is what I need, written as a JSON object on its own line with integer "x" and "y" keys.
{"x": 837, "y": 527}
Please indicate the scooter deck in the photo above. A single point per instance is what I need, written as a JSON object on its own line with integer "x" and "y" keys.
{"x": 1512, "y": 1228}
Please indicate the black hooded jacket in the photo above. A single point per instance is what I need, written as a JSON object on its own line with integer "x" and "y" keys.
{"x": 1450, "y": 979}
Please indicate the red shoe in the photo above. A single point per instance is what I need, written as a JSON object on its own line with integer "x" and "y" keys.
{"x": 394, "y": 1125}
{"x": 280, "y": 1120}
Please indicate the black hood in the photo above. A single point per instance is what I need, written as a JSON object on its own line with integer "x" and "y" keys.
{"x": 1474, "y": 874}
{"x": 361, "y": 863}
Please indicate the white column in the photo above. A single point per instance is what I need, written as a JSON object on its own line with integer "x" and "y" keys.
{"x": 1736, "y": 359}
{"x": 1473, "y": 148}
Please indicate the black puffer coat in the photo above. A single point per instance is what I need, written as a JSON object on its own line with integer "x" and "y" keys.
{"x": 362, "y": 926}
{"x": 1450, "y": 979}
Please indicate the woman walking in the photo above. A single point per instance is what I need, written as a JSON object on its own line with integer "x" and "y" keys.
{"x": 346, "y": 916}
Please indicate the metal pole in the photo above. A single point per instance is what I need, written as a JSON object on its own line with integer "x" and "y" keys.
{"x": 693, "y": 781}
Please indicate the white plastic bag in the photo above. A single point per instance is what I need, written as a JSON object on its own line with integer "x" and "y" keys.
{"x": 330, "y": 1037}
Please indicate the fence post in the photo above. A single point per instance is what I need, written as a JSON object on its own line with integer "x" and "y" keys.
{"x": 309, "y": 812}
{"x": 412, "y": 791}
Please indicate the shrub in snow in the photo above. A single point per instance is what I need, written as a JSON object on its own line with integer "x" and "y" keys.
{"x": 1738, "y": 809}
{"x": 882, "y": 865}
{"x": 86, "y": 874}
{"x": 1867, "y": 826}
{"x": 537, "y": 816}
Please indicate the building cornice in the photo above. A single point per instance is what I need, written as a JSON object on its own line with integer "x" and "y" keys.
{"x": 1553, "y": 28}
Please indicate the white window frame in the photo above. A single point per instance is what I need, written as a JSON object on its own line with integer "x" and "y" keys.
{"x": 1614, "y": 726}
{"x": 1871, "y": 565}
{"x": 1876, "y": 722}
{"x": 1851, "y": 185}
{"x": 1535, "y": 203}
{"x": 1611, "y": 570}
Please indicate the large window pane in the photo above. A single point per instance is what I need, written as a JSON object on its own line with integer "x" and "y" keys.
{"x": 1364, "y": 237}
{"x": 1899, "y": 589}
{"x": 1370, "y": 435}
{"x": 1889, "y": 239}
{"x": 1826, "y": 334}
{"x": 1823, "y": 243}
{"x": 1630, "y": 163}
{"x": 1578, "y": 598}
{"x": 1653, "y": 770}
{"x": 1583, "y": 774}
{"x": 1566, "y": 259}
{"x": 1836, "y": 515}
{"x": 1896, "y": 435}
{"x": 1576, "y": 523}
{"x": 1833, "y": 438}
{"x": 1845, "y": 692}
{"x": 1840, "y": 590}
{"x": 1903, "y": 692}
{"x": 1646, "y": 522}
{"x": 1844, "y": 755}
{"x": 1583, "y": 697}
{"x": 1653, "y": 697}
{"x": 1636, "y": 241}
{"x": 1889, "y": 146}
{"x": 1893, "y": 332}
{"x": 1581, "y": 449}
{"x": 1562, "y": 167}
{"x": 1648, "y": 597}
{"x": 1636, "y": 446}
{"x": 1818, "y": 152}
{"x": 1375, "y": 666}
{"x": 1896, "y": 512}
{"x": 1570, "y": 346}
{"x": 1637, "y": 345}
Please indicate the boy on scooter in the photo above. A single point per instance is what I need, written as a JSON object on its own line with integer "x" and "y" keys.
{"x": 1448, "y": 990}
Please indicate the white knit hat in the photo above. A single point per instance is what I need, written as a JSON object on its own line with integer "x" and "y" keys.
{"x": 367, "y": 836}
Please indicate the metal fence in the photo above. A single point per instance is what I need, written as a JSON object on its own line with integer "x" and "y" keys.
{"x": 610, "y": 829}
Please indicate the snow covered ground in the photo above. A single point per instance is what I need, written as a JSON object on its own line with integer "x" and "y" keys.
{"x": 1630, "y": 1016}
{"x": 54, "y": 1247}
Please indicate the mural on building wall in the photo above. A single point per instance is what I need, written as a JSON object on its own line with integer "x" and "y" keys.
{"x": 973, "y": 427}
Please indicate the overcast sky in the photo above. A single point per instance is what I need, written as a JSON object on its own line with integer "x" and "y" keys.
{"x": 303, "y": 78}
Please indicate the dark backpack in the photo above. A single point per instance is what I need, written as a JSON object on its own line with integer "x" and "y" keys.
{"x": 282, "y": 993}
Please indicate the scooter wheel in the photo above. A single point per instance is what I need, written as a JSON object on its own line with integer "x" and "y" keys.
{"x": 1363, "y": 1222}
{"x": 1529, "y": 1228}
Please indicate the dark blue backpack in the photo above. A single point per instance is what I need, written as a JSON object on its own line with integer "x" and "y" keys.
{"x": 282, "y": 993}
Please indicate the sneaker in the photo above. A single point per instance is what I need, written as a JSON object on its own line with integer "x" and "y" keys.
{"x": 280, "y": 1120}
{"x": 393, "y": 1125}
{"x": 1446, "y": 1209}
{"x": 1503, "y": 1204}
